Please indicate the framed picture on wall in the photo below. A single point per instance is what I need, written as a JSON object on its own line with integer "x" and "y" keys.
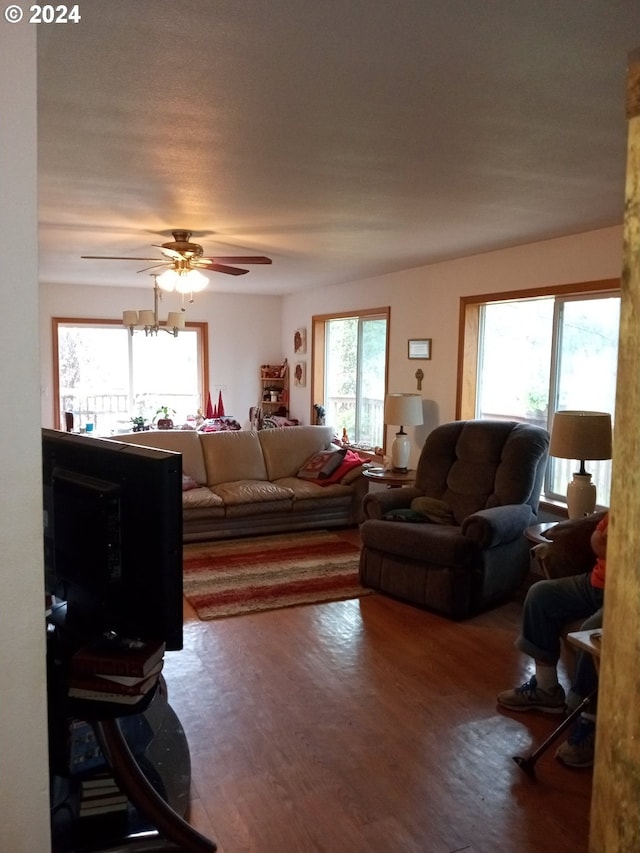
{"x": 300, "y": 374}
{"x": 419, "y": 348}
{"x": 300, "y": 341}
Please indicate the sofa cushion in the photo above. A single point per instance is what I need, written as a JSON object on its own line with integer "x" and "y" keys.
{"x": 186, "y": 442}
{"x": 303, "y": 490}
{"x": 232, "y": 455}
{"x": 286, "y": 449}
{"x": 199, "y": 498}
{"x": 251, "y": 492}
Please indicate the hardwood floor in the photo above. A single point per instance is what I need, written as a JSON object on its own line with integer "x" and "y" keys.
{"x": 367, "y": 725}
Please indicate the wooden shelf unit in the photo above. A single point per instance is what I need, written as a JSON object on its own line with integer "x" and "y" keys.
{"x": 274, "y": 389}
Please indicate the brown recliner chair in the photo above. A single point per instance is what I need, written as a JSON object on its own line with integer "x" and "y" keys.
{"x": 479, "y": 485}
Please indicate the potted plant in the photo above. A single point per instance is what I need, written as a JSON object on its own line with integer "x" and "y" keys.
{"x": 139, "y": 423}
{"x": 164, "y": 422}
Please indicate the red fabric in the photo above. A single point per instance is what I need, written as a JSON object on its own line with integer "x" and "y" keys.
{"x": 600, "y": 568}
{"x": 220, "y": 406}
{"x": 351, "y": 460}
{"x": 209, "y": 412}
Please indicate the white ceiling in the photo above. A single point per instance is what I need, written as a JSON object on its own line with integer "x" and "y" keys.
{"x": 342, "y": 138}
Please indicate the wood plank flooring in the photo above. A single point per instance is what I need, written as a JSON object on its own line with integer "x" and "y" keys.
{"x": 367, "y": 725}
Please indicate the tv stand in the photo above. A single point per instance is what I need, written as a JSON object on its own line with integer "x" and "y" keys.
{"x": 179, "y": 834}
{"x": 142, "y": 747}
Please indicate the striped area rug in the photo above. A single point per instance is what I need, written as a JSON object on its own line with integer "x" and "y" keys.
{"x": 267, "y": 572}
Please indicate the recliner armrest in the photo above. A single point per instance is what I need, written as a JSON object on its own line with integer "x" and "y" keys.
{"x": 491, "y": 527}
{"x": 377, "y": 504}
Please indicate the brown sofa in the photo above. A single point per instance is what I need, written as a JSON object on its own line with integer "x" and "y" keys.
{"x": 460, "y": 548}
{"x": 246, "y": 482}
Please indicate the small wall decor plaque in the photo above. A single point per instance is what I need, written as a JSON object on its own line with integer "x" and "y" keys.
{"x": 419, "y": 348}
{"x": 300, "y": 374}
{"x": 300, "y": 341}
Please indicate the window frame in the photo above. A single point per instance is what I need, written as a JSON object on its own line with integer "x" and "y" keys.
{"x": 318, "y": 338}
{"x": 469, "y": 334}
{"x": 201, "y": 328}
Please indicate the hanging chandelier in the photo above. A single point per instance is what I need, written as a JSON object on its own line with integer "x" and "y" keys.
{"x": 149, "y": 321}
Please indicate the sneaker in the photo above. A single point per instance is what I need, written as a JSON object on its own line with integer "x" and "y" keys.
{"x": 530, "y": 697}
{"x": 578, "y": 748}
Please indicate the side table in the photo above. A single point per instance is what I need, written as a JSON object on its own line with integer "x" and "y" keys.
{"x": 535, "y": 533}
{"x": 391, "y": 479}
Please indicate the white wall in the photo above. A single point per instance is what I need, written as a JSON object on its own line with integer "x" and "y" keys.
{"x": 425, "y": 303}
{"x": 244, "y": 332}
{"x": 24, "y": 783}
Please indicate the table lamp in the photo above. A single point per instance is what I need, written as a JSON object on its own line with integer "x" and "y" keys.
{"x": 581, "y": 435}
{"x": 402, "y": 409}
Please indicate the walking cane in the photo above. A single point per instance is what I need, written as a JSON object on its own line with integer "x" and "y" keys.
{"x": 528, "y": 763}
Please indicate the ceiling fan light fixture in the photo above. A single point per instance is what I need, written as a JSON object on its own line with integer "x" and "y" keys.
{"x": 192, "y": 281}
{"x": 168, "y": 281}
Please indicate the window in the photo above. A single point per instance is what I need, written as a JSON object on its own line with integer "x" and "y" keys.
{"x": 106, "y": 376}
{"x": 350, "y": 373}
{"x": 526, "y": 357}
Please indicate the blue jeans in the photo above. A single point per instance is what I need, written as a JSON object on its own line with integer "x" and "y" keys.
{"x": 548, "y": 606}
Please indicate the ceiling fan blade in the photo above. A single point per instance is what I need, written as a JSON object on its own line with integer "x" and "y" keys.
{"x": 112, "y": 258}
{"x": 222, "y": 268}
{"x": 171, "y": 253}
{"x": 236, "y": 259}
{"x": 156, "y": 265}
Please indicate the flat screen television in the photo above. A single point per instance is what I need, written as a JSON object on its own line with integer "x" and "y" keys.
{"x": 113, "y": 537}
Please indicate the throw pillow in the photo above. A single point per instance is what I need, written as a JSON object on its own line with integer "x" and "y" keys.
{"x": 189, "y": 483}
{"x": 433, "y": 509}
{"x": 351, "y": 460}
{"x": 322, "y": 464}
{"x": 405, "y": 515}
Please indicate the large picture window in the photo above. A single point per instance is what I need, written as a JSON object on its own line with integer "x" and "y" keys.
{"x": 350, "y": 373}
{"x": 106, "y": 376}
{"x": 526, "y": 357}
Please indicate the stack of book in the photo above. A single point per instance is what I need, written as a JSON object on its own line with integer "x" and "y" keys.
{"x": 121, "y": 671}
{"x": 100, "y": 795}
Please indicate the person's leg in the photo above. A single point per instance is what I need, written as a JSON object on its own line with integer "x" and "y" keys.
{"x": 585, "y": 679}
{"x": 548, "y": 606}
{"x": 578, "y": 749}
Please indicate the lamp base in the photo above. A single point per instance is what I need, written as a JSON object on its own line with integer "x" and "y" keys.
{"x": 400, "y": 450}
{"x": 581, "y": 496}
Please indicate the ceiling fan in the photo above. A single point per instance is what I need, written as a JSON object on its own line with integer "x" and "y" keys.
{"x": 183, "y": 257}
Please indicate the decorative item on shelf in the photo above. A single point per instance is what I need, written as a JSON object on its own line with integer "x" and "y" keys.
{"x": 581, "y": 435}
{"x": 300, "y": 341}
{"x": 403, "y": 410}
{"x": 149, "y": 321}
{"x": 165, "y": 422}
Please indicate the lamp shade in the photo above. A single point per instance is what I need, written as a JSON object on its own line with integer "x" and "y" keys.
{"x": 403, "y": 409}
{"x": 581, "y": 435}
{"x": 175, "y": 320}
